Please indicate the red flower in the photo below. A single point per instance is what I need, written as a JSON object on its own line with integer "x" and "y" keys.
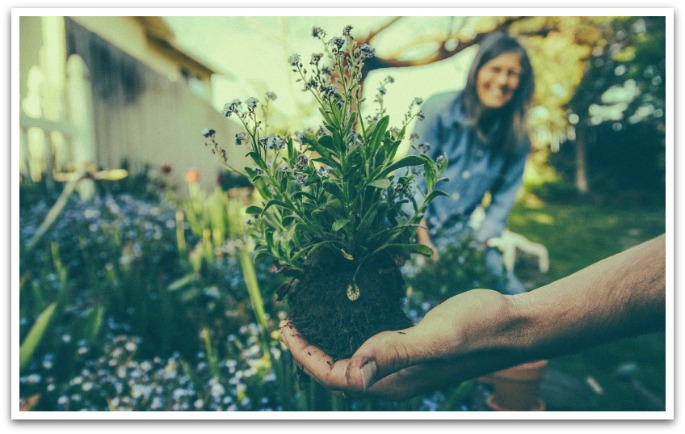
{"x": 165, "y": 168}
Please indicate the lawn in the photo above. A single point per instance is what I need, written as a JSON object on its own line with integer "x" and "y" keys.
{"x": 628, "y": 374}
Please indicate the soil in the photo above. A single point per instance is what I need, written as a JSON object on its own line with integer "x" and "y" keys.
{"x": 322, "y": 311}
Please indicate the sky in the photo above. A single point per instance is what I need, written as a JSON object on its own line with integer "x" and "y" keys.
{"x": 252, "y": 54}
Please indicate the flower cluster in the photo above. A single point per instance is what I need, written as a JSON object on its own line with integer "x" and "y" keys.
{"x": 343, "y": 187}
{"x": 118, "y": 380}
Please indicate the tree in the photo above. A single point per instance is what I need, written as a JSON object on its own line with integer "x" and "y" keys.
{"x": 623, "y": 84}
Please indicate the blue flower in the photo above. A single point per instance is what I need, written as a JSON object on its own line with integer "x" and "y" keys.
{"x": 316, "y": 57}
{"x": 294, "y": 60}
{"x": 251, "y": 103}
{"x": 367, "y": 51}
{"x": 337, "y": 42}
{"x": 329, "y": 90}
{"x": 240, "y": 138}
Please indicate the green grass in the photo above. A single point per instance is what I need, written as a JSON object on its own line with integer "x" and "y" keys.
{"x": 577, "y": 235}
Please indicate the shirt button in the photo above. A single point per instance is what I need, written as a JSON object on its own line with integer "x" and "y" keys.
{"x": 455, "y": 195}
{"x": 466, "y": 174}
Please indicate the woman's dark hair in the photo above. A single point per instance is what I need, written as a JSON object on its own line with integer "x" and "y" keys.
{"x": 504, "y": 128}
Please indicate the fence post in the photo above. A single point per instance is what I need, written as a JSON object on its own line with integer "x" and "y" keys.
{"x": 80, "y": 115}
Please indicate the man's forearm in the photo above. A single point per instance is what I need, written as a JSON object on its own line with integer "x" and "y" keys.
{"x": 620, "y": 296}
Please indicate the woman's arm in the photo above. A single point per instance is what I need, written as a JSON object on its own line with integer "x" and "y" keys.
{"x": 482, "y": 331}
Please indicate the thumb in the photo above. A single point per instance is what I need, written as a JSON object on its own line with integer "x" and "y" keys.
{"x": 380, "y": 356}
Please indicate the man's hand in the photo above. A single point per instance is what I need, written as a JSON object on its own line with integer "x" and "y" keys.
{"x": 401, "y": 364}
{"x": 482, "y": 331}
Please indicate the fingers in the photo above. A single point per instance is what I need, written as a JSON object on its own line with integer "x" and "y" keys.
{"x": 315, "y": 363}
{"x": 381, "y": 355}
{"x": 375, "y": 369}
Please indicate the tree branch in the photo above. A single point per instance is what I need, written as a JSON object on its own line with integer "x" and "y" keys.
{"x": 394, "y": 60}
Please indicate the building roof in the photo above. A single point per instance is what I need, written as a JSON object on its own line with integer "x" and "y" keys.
{"x": 160, "y": 36}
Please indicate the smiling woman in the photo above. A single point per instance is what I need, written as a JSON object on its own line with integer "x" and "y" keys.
{"x": 498, "y": 80}
{"x": 482, "y": 131}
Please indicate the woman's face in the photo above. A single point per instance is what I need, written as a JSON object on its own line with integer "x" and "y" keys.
{"x": 498, "y": 79}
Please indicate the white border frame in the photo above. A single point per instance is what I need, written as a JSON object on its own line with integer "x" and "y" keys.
{"x": 668, "y": 414}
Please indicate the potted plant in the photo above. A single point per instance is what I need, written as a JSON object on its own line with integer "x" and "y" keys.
{"x": 340, "y": 207}
{"x": 516, "y": 388}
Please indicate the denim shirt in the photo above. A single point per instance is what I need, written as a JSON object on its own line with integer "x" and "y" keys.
{"x": 473, "y": 170}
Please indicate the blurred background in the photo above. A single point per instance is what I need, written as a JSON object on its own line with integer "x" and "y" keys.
{"x": 136, "y": 287}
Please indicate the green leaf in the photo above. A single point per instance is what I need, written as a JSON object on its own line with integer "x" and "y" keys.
{"x": 258, "y": 181}
{"x": 346, "y": 255}
{"x": 430, "y": 173}
{"x": 291, "y": 150}
{"x": 305, "y": 194}
{"x": 287, "y": 220}
{"x": 273, "y": 202}
{"x": 380, "y": 183}
{"x": 338, "y": 224}
{"x": 326, "y": 117}
{"x": 434, "y": 194}
{"x": 28, "y": 347}
{"x": 329, "y": 161}
{"x": 334, "y": 189}
{"x": 183, "y": 281}
{"x": 325, "y": 153}
{"x": 250, "y": 276}
{"x": 421, "y": 249}
{"x": 379, "y": 132}
{"x": 350, "y": 121}
{"x": 261, "y": 254}
{"x": 91, "y": 327}
{"x": 310, "y": 249}
{"x": 254, "y": 209}
{"x": 391, "y": 149}
{"x": 411, "y": 160}
{"x": 258, "y": 160}
{"x": 301, "y": 226}
{"x": 327, "y": 142}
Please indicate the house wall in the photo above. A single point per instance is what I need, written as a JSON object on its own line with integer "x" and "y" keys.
{"x": 138, "y": 113}
{"x": 127, "y": 34}
{"x": 31, "y": 37}
{"x": 145, "y": 118}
